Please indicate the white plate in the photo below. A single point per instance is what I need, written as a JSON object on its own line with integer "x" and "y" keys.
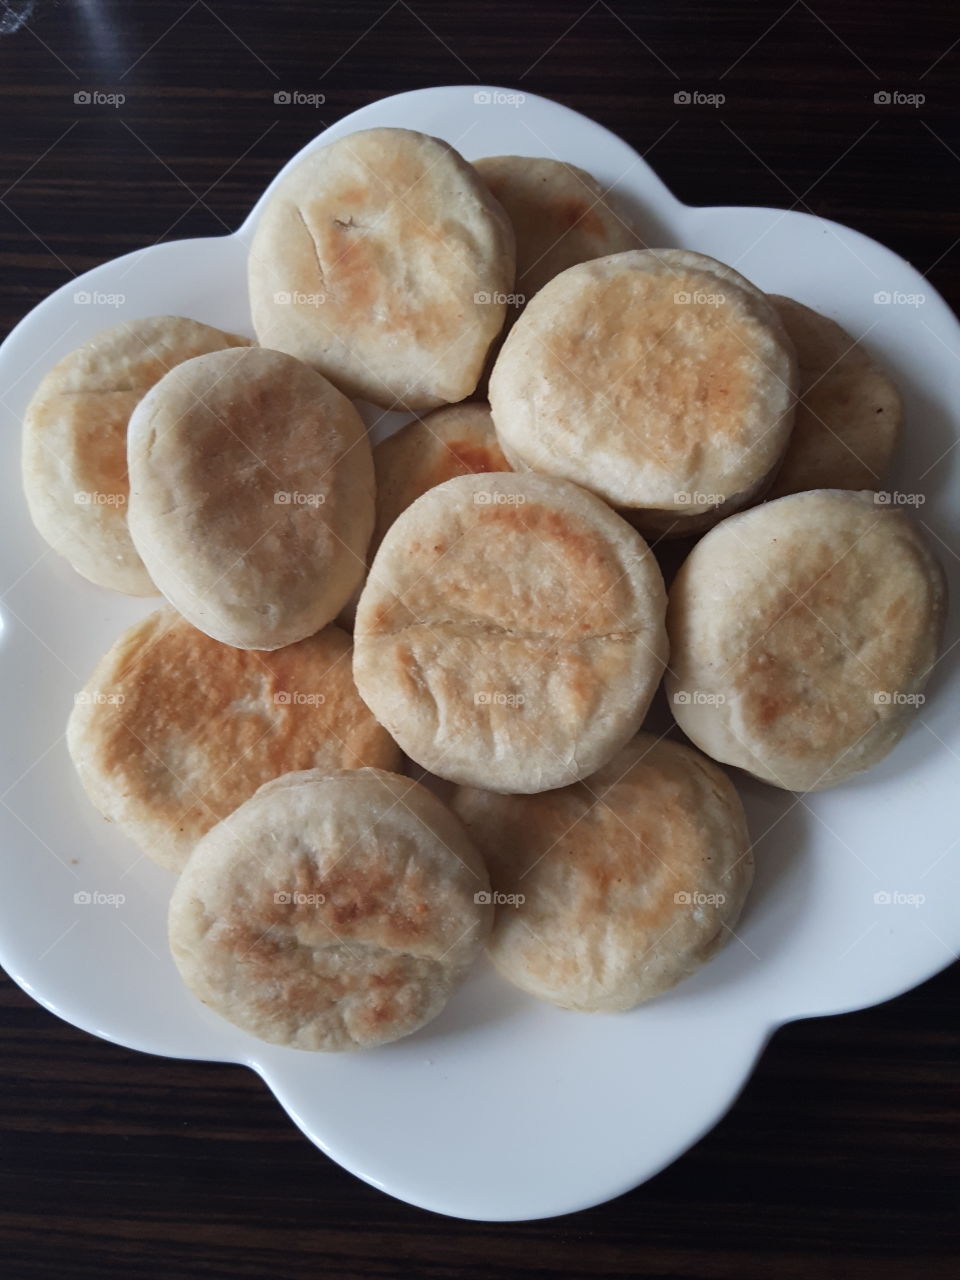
{"x": 504, "y": 1108}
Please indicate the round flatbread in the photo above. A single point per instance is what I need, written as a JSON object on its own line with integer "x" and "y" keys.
{"x": 455, "y": 441}
{"x": 802, "y": 633}
{"x": 384, "y": 262}
{"x": 251, "y": 496}
{"x": 331, "y": 913}
{"x": 661, "y": 380}
{"x": 75, "y": 441}
{"x": 510, "y": 633}
{"x": 560, "y": 214}
{"x": 173, "y": 730}
{"x": 612, "y": 890}
{"x": 848, "y": 420}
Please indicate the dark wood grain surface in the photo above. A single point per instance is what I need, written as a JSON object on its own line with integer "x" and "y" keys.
{"x": 840, "y": 1159}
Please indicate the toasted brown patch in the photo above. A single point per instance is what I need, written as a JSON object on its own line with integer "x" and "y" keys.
{"x": 199, "y": 726}
{"x": 598, "y": 873}
{"x": 457, "y": 440}
{"x": 660, "y": 380}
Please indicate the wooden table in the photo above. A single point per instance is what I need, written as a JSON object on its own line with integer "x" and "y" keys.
{"x": 840, "y": 1159}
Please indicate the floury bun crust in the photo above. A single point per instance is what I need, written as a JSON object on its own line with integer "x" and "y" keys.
{"x": 614, "y": 889}
{"x": 661, "y": 380}
{"x": 251, "y": 496}
{"x": 510, "y": 633}
{"x": 174, "y": 730}
{"x": 850, "y": 413}
{"x": 561, "y": 216}
{"x": 383, "y": 261}
{"x": 800, "y": 633}
{"x": 331, "y": 913}
{"x": 455, "y": 441}
{"x": 75, "y": 441}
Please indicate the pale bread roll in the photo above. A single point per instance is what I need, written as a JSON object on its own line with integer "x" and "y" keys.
{"x": 661, "y": 380}
{"x": 383, "y": 261}
{"x": 75, "y": 441}
{"x": 561, "y": 215}
{"x": 510, "y": 633}
{"x": 457, "y": 440}
{"x": 174, "y": 730}
{"x": 802, "y": 633}
{"x": 610, "y": 891}
{"x": 849, "y": 417}
{"x": 251, "y": 496}
{"x": 331, "y": 913}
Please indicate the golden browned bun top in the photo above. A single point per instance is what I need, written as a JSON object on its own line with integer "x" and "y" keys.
{"x": 174, "y": 730}
{"x": 616, "y": 887}
{"x": 658, "y": 379}
{"x": 510, "y": 631}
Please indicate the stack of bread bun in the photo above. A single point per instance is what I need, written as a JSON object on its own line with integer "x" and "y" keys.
{"x": 353, "y": 818}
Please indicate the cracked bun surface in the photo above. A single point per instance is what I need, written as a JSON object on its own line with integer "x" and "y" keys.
{"x": 331, "y": 912}
{"x": 383, "y": 261}
{"x": 510, "y": 634}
